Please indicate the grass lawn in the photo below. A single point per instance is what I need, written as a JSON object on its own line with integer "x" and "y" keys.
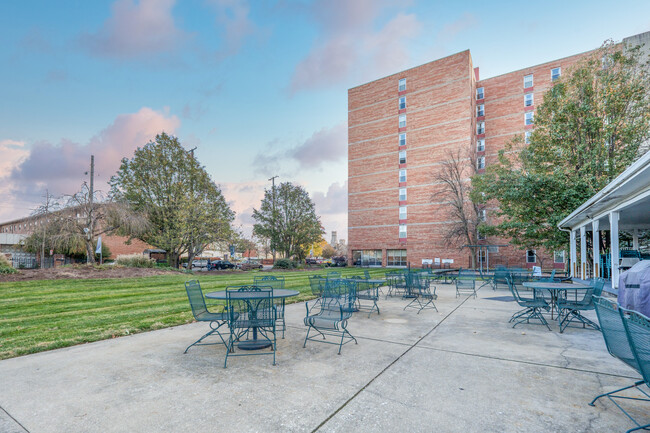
{"x": 48, "y": 314}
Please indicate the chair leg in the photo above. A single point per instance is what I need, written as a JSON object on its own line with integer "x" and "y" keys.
{"x": 207, "y": 334}
{"x": 306, "y": 337}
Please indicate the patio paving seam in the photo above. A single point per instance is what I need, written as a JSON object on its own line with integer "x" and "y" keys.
{"x": 14, "y": 419}
{"x": 340, "y": 408}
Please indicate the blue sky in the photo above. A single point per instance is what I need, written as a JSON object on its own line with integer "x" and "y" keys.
{"x": 260, "y": 88}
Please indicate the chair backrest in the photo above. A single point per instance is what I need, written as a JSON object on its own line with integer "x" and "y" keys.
{"x": 250, "y": 306}
{"x": 599, "y": 283}
{"x": 366, "y": 274}
{"x": 466, "y": 278}
{"x": 195, "y": 296}
{"x": 270, "y": 280}
{"x": 613, "y": 329}
{"x": 317, "y": 284}
{"x": 521, "y": 293}
{"x": 333, "y": 274}
{"x": 637, "y": 327}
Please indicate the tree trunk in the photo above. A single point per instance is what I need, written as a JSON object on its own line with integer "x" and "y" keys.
{"x": 90, "y": 252}
{"x": 172, "y": 260}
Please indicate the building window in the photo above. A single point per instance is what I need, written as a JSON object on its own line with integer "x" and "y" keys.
{"x": 528, "y": 118}
{"x": 402, "y": 120}
{"x": 402, "y": 231}
{"x": 402, "y": 212}
{"x": 402, "y": 102}
{"x": 528, "y": 100}
{"x": 527, "y": 135}
{"x": 402, "y": 175}
{"x": 402, "y": 139}
{"x": 480, "y": 110}
{"x": 480, "y": 145}
{"x": 482, "y": 215}
{"x": 402, "y": 85}
{"x": 528, "y": 81}
{"x": 480, "y": 236}
{"x": 558, "y": 257}
{"x": 531, "y": 257}
{"x": 479, "y": 93}
{"x": 402, "y": 156}
{"x": 480, "y": 128}
{"x": 366, "y": 257}
{"x": 480, "y": 162}
{"x": 402, "y": 194}
{"x": 396, "y": 258}
{"x": 555, "y": 73}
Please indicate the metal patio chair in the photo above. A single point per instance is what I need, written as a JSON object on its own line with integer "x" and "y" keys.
{"x": 317, "y": 284}
{"x": 331, "y": 319}
{"x": 572, "y": 305}
{"x": 466, "y": 282}
{"x": 201, "y": 314}
{"x": 420, "y": 290}
{"x": 397, "y": 282}
{"x": 276, "y": 283}
{"x": 532, "y": 305}
{"x": 367, "y": 292}
{"x": 620, "y": 345}
{"x": 250, "y": 309}
{"x": 637, "y": 328}
{"x": 333, "y": 274}
{"x": 500, "y": 277}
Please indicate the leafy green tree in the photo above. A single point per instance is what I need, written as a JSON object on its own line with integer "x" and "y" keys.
{"x": 185, "y": 207}
{"x": 588, "y": 129}
{"x": 287, "y": 217}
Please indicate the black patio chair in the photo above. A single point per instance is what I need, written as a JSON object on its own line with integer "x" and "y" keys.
{"x": 276, "y": 283}
{"x": 420, "y": 290}
{"x": 250, "y": 310}
{"x": 466, "y": 282}
{"x": 202, "y": 314}
{"x": 620, "y": 345}
{"x": 532, "y": 305}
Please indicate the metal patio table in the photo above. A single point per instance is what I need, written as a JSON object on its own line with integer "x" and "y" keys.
{"x": 553, "y": 289}
{"x": 254, "y": 343}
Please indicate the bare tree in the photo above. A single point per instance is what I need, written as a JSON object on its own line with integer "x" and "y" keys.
{"x": 455, "y": 176}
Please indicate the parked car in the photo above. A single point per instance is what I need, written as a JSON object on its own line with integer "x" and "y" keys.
{"x": 339, "y": 261}
{"x": 222, "y": 264}
{"x": 311, "y": 261}
{"x": 251, "y": 264}
{"x": 200, "y": 264}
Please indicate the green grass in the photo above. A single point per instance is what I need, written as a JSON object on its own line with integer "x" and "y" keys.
{"x": 48, "y": 314}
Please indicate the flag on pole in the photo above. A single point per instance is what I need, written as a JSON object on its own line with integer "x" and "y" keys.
{"x": 98, "y": 250}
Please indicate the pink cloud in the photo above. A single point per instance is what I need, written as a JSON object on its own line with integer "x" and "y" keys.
{"x": 61, "y": 167}
{"x": 233, "y": 19}
{"x": 326, "y": 145}
{"x": 136, "y": 29}
{"x": 332, "y": 206}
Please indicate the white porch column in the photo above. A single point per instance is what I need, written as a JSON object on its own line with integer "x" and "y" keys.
{"x": 574, "y": 259}
{"x": 583, "y": 252}
{"x": 635, "y": 239}
{"x": 596, "y": 248}
{"x": 613, "y": 224}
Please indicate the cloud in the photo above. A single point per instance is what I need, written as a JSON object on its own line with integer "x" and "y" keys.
{"x": 60, "y": 167}
{"x": 135, "y": 30}
{"x": 351, "y": 46}
{"x": 454, "y": 28}
{"x": 233, "y": 19}
{"x": 334, "y": 201}
{"x": 243, "y": 197}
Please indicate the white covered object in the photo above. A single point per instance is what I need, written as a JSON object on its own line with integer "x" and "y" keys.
{"x": 634, "y": 288}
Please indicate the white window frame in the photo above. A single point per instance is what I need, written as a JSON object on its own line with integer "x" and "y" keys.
{"x": 402, "y": 190}
{"x": 527, "y": 135}
{"x": 480, "y": 128}
{"x": 402, "y": 231}
{"x": 482, "y": 215}
{"x": 559, "y": 73}
{"x": 480, "y": 236}
{"x": 402, "y": 102}
{"x": 529, "y": 118}
{"x": 402, "y": 212}
{"x": 402, "y": 121}
{"x": 526, "y": 81}
{"x": 534, "y": 256}
{"x": 401, "y": 85}
{"x": 402, "y": 175}
{"x": 480, "y": 162}
{"x": 401, "y": 139}
{"x": 529, "y": 99}
{"x": 480, "y": 145}
{"x": 402, "y": 156}
{"x": 555, "y": 256}
{"x": 480, "y": 93}
{"x": 480, "y": 110}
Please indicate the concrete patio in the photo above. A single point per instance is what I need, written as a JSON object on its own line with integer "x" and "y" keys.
{"x": 463, "y": 369}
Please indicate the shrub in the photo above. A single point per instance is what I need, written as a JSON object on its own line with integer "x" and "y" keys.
{"x": 135, "y": 261}
{"x": 5, "y": 265}
{"x": 284, "y": 264}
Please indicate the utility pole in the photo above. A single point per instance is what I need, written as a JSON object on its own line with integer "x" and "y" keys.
{"x": 91, "y": 194}
{"x": 43, "y": 224}
{"x": 272, "y": 179}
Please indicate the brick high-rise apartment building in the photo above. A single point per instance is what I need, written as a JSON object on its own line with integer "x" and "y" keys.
{"x": 400, "y": 129}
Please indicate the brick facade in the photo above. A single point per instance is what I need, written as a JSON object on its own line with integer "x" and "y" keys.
{"x": 441, "y": 119}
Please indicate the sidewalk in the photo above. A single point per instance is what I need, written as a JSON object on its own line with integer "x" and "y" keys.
{"x": 463, "y": 369}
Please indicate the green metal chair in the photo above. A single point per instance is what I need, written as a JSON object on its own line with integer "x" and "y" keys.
{"x": 201, "y": 314}
{"x": 500, "y": 277}
{"x": 332, "y": 317}
{"x": 397, "y": 283}
{"x": 250, "y": 309}
{"x": 637, "y": 328}
{"x": 367, "y": 292}
{"x": 420, "y": 290}
{"x": 276, "y": 283}
{"x": 466, "y": 282}
{"x": 620, "y": 344}
{"x": 317, "y": 284}
{"x": 572, "y": 305}
{"x": 532, "y": 305}
{"x": 333, "y": 274}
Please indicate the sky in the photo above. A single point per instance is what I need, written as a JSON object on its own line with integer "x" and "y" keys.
{"x": 258, "y": 87}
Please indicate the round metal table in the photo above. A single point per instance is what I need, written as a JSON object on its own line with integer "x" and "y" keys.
{"x": 554, "y": 290}
{"x": 254, "y": 343}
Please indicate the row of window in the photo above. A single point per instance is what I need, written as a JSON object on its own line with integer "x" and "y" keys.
{"x": 528, "y": 82}
{"x": 528, "y": 120}
{"x": 531, "y": 256}
{"x": 373, "y": 257}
